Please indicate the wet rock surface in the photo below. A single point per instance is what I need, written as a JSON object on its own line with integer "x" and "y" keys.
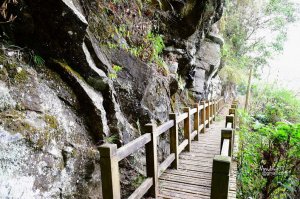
{"x": 46, "y": 150}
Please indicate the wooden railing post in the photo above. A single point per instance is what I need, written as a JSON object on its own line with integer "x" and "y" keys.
{"x": 174, "y": 140}
{"x": 110, "y": 172}
{"x": 230, "y": 119}
{"x": 197, "y": 121}
{"x": 151, "y": 160}
{"x": 207, "y": 116}
{"x": 215, "y": 110}
{"x": 220, "y": 177}
{"x": 233, "y": 111}
{"x": 227, "y": 134}
{"x": 211, "y": 111}
{"x": 187, "y": 128}
{"x": 234, "y": 106}
{"x": 203, "y": 114}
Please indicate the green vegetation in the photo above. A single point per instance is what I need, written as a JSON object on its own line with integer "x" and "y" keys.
{"x": 111, "y": 139}
{"x": 21, "y": 76}
{"x": 273, "y": 104}
{"x": 114, "y": 74}
{"x": 51, "y": 121}
{"x": 254, "y": 32}
{"x": 131, "y": 26}
{"x": 269, "y": 154}
{"x": 38, "y": 60}
{"x": 138, "y": 181}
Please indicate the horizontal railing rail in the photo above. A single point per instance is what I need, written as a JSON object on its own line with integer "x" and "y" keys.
{"x": 203, "y": 115}
{"x": 222, "y": 162}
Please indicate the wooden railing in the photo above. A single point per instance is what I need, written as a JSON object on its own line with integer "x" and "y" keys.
{"x": 222, "y": 162}
{"x": 110, "y": 155}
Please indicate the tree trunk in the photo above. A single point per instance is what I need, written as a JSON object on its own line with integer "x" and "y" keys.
{"x": 248, "y": 88}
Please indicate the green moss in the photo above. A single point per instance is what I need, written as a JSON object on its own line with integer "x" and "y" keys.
{"x": 21, "y": 77}
{"x": 138, "y": 181}
{"x": 68, "y": 69}
{"x": 91, "y": 153}
{"x": 51, "y": 121}
{"x": 97, "y": 83}
{"x": 188, "y": 8}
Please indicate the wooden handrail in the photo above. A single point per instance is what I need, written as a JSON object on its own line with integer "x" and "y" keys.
{"x": 222, "y": 162}
{"x": 166, "y": 163}
{"x": 142, "y": 189}
{"x": 133, "y": 146}
{"x": 164, "y": 127}
{"x": 225, "y": 147}
{"x": 110, "y": 156}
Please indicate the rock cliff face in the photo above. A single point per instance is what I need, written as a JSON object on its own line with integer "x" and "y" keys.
{"x": 54, "y": 114}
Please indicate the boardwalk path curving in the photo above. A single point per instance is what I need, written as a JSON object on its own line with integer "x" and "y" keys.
{"x": 192, "y": 180}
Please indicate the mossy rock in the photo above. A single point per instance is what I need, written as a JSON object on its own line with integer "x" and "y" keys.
{"x": 21, "y": 76}
{"x": 51, "y": 121}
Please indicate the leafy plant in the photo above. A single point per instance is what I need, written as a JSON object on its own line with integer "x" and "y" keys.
{"x": 111, "y": 139}
{"x": 270, "y": 161}
{"x": 116, "y": 69}
{"x": 38, "y": 60}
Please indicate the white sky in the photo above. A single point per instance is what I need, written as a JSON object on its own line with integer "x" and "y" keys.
{"x": 285, "y": 68}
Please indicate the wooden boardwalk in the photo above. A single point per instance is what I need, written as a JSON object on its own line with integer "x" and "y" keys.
{"x": 192, "y": 180}
{"x": 202, "y": 170}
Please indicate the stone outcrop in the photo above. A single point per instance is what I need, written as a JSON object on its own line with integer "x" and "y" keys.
{"x": 54, "y": 117}
{"x": 46, "y": 150}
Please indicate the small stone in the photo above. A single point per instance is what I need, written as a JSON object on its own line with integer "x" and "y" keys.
{"x": 173, "y": 67}
{"x": 19, "y": 69}
{"x": 11, "y": 53}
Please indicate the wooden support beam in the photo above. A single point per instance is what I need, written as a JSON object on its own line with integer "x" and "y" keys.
{"x": 187, "y": 129}
{"x": 151, "y": 160}
{"x": 220, "y": 177}
{"x": 197, "y": 121}
{"x": 109, "y": 165}
{"x": 174, "y": 140}
{"x": 203, "y": 114}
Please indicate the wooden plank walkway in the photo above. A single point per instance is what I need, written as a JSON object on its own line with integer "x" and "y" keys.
{"x": 192, "y": 180}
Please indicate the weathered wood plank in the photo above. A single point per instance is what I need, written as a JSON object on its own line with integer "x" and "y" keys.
{"x": 177, "y": 194}
{"x": 151, "y": 160}
{"x": 166, "y": 163}
{"x": 225, "y": 148}
{"x": 182, "y": 146}
{"x": 188, "y": 173}
{"x": 187, "y": 130}
{"x": 133, "y": 146}
{"x": 194, "y": 189}
{"x": 196, "y": 168}
{"x": 174, "y": 140}
{"x": 193, "y": 135}
{"x": 194, "y": 110}
{"x": 164, "y": 127}
{"x": 142, "y": 189}
{"x": 181, "y": 117}
{"x": 111, "y": 189}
